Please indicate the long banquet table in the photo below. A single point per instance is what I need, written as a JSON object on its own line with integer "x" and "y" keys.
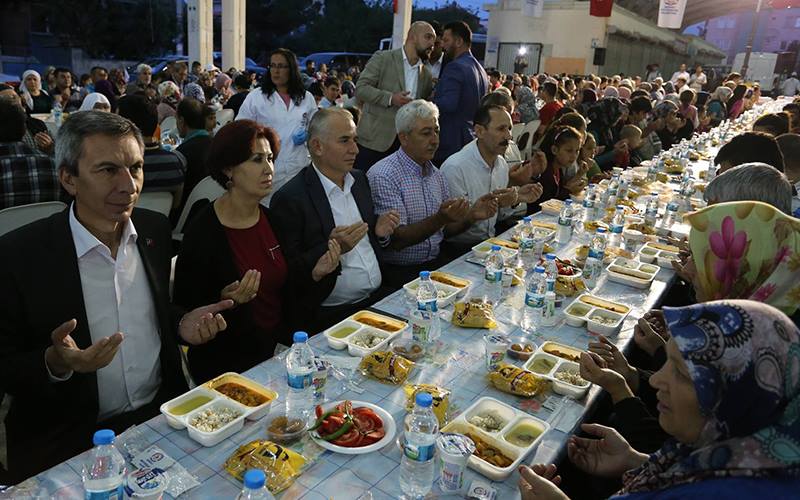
{"x": 456, "y": 363}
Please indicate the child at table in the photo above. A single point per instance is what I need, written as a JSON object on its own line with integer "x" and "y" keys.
{"x": 631, "y": 157}
{"x": 561, "y": 146}
{"x": 586, "y": 156}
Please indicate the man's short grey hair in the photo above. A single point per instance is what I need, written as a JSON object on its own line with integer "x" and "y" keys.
{"x": 83, "y": 124}
{"x": 143, "y": 67}
{"x": 752, "y": 182}
{"x": 319, "y": 122}
{"x": 407, "y": 116}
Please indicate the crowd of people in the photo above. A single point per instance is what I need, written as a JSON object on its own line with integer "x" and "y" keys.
{"x": 341, "y": 186}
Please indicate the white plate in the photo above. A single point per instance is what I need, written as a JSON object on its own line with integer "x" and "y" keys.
{"x": 388, "y": 425}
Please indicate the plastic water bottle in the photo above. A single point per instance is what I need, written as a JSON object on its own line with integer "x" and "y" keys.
{"x": 589, "y": 201}
{"x": 622, "y": 189}
{"x": 493, "y": 275}
{"x": 550, "y": 272}
{"x": 652, "y": 171}
{"x": 618, "y": 223}
{"x": 527, "y": 243}
{"x": 564, "y": 232}
{"x": 673, "y": 207}
{"x": 687, "y": 182}
{"x": 711, "y": 173}
{"x": 612, "y": 190}
{"x": 594, "y": 260}
{"x": 535, "y": 288}
{"x": 58, "y": 114}
{"x": 104, "y": 471}
{"x": 299, "y": 375}
{"x": 255, "y": 486}
{"x": 426, "y": 303}
{"x": 417, "y": 466}
{"x": 651, "y": 210}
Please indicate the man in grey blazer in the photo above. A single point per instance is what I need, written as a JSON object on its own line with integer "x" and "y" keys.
{"x": 391, "y": 79}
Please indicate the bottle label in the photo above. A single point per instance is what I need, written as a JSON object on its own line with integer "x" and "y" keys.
{"x": 299, "y": 381}
{"x": 596, "y": 254}
{"x": 526, "y": 243}
{"x": 117, "y": 493}
{"x": 551, "y": 285}
{"x": 419, "y": 453}
{"x": 428, "y": 305}
{"x": 672, "y": 207}
{"x": 494, "y": 276}
{"x": 616, "y": 228}
{"x": 587, "y": 203}
{"x": 533, "y": 299}
{"x": 565, "y": 221}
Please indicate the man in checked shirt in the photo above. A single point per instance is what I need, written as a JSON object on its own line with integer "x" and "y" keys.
{"x": 407, "y": 181}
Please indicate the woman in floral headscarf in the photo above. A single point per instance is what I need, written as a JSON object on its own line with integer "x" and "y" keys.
{"x": 746, "y": 250}
{"x": 728, "y": 395}
{"x": 526, "y": 104}
{"x": 603, "y": 119}
{"x": 170, "y": 96}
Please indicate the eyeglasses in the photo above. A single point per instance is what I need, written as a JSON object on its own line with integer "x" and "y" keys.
{"x": 278, "y": 66}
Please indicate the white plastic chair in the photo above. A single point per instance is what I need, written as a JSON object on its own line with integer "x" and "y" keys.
{"x": 529, "y": 129}
{"x": 516, "y": 131}
{"x": 224, "y": 116}
{"x": 159, "y": 201}
{"x": 206, "y": 189}
{"x": 13, "y": 217}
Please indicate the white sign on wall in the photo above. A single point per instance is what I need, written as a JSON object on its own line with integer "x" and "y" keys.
{"x": 670, "y": 13}
{"x": 532, "y": 8}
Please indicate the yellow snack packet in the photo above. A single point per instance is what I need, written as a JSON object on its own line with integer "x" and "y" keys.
{"x": 280, "y": 465}
{"x": 474, "y": 314}
{"x": 386, "y": 366}
{"x": 513, "y": 380}
{"x": 441, "y": 399}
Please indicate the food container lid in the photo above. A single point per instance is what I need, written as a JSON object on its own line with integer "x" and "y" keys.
{"x": 146, "y": 482}
{"x": 453, "y": 444}
{"x": 633, "y": 234}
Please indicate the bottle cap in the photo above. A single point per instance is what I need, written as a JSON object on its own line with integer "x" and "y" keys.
{"x": 254, "y": 479}
{"x": 550, "y": 256}
{"x": 424, "y": 399}
{"x": 103, "y": 436}
{"x": 495, "y": 248}
{"x": 538, "y": 269}
{"x": 300, "y": 337}
{"x": 601, "y": 230}
{"x": 424, "y": 274}
{"x": 620, "y": 207}
{"x": 653, "y": 194}
{"x": 568, "y": 202}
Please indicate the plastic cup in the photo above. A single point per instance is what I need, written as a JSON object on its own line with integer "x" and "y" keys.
{"x": 454, "y": 452}
{"x": 421, "y": 326}
{"x": 496, "y": 346}
{"x": 146, "y": 483}
{"x": 320, "y": 378}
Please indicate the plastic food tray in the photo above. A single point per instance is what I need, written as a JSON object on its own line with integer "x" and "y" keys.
{"x": 632, "y": 272}
{"x": 498, "y": 439}
{"x": 558, "y": 365}
{"x": 663, "y": 255}
{"x": 552, "y": 207}
{"x": 586, "y": 306}
{"x": 395, "y": 328}
{"x": 217, "y": 400}
{"x": 450, "y": 292}
{"x": 545, "y": 231}
{"x": 483, "y": 249}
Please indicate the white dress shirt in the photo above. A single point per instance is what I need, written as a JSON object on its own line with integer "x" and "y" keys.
{"x": 117, "y": 298}
{"x": 361, "y": 274}
{"x": 435, "y": 67}
{"x": 469, "y": 175}
{"x": 680, "y": 74}
{"x": 272, "y": 112}
{"x": 411, "y": 73}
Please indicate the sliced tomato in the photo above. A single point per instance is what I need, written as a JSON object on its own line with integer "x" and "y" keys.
{"x": 345, "y": 407}
{"x": 373, "y": 437}
{"x": 363, "y": 423}
{"x": 351, "y": 439}
{"x": 319, "y": 411}
{"x": 332, "y": 424}
{"x": 367, "y": 413}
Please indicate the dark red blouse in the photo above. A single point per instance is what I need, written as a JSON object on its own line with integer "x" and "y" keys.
{"x": 257, "y": 248}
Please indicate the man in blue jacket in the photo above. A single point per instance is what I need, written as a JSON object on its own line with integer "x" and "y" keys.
{"x": 462, "y": 84}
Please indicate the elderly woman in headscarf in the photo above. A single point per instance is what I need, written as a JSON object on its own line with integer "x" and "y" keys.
{"x": 675, "y": 127}
{"x": 97, "y": 101}
{"x": 195, "y": 91}
{"x": 727, "y": 396}
{"x": 526, "y": 104}
{"x": 34, "y": 97}
{"x": 610, "y": 91}
{"x": 223, "y": 86}
{"x": 170, "y": 96}
{"x": 717, "y": 107}
{"x": 603, "y": 119}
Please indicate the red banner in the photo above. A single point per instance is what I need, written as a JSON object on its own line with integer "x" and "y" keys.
{"x": 784, "y": 4}
{"x": 601, "y": 8}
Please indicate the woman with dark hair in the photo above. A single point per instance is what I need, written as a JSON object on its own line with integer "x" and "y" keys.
{"x": 230, "y": 250}
{"x": 286, "y": 106}
{"x": 603, "y": 119}
{"x": 736, "y": 102}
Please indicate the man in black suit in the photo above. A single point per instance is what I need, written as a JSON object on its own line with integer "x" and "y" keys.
{"x": 328, "y": 199}
{"x": 88, "y": 337}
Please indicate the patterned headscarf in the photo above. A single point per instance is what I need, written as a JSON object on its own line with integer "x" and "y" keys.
{"x": 611, "y": 92}
{"x": 664, "y": 109}
{"x": 194, "y": 90}
{"x": 722, "y": 94}
{"x": 606, "y": 112}
{"x": 747, "y": 250}
{"x": 170, "y": 93}
{"x": 526, "y": 104}
{"x": 744, "y": 360}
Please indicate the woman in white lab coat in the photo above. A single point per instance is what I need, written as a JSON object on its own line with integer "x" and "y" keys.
{"x": 285, "y": 105}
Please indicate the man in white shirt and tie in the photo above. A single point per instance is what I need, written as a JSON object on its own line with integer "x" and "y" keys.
{"x": 330, "y": 200}
{"x": 391, "y": 79}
